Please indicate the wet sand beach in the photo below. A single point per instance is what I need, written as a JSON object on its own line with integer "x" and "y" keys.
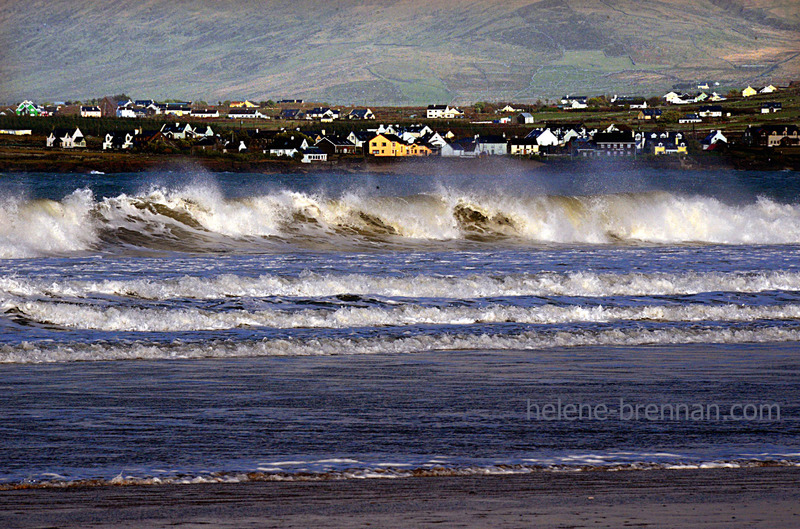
{"x": 751, "y": 497}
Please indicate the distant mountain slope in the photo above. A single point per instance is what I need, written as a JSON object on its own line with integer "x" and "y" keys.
{"x": 375, "y": 52}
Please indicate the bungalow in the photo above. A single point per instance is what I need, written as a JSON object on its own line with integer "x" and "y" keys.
{"x": 336, "y": 145}
{"x": 710, "y": 111}
{"x": 66, "y": 139}
{"x": 649, "y": 114}
{"x": 177, "y": 131}
{"x": 771, "y": 136}
{"x": 749, "y": 91}
{"x": 313, "y": 154}
{"x": 690, "y": 118}
{"x": 523, "y": 146}
{"x": 28, "y": 108}
{"x": 245, "y": 113}
{"x": 361, "y": 113}
{"x": 172, "y": 109}
{"x": 712, "y": 139}
{"x": 768, "y": 89}
{"x": 443, "y": 112}
{"x": 204, "y": 113}
{"x": 288, "y": 147}
{"x": 290, "y": 113}
{"x": 243, "y": 104}
{"x": 715, "y": 97}
{"x": 525, "y": 118}
{"x": 771, "y": 106}
{"x": 323, "y": 114}
{"x": 492, "y": 145}
{"x": 118, "y": 140}
{"x": 508, "y": 109}
{"x": 144, "y": 102}
{"x": 91, "y": 112}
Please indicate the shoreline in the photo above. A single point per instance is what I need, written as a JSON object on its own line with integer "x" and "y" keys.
{"x": 42, "y": 160}
{"x": 744, "y": 497}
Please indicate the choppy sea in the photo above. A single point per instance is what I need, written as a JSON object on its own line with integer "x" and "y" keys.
{"x": 186, "y": 326}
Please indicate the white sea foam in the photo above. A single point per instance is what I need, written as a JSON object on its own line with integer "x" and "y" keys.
{"x": 177, "y": 320}
{"x": 473, "y": 286}
{"x": 45, "y": 227}
{"x": 28, "y": 352}
{"x": 200, "y": 218}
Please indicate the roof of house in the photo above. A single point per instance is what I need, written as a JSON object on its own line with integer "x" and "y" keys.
{"x": 613, "y": 137}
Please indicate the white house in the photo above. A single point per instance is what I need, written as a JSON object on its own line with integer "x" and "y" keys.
{"x": 523, "y": 146}
{"x": 177, "y": 131}
{"x": 443, "y": 112}
{"x": 204, "y": 113}
{"x": 543, "y": 137}
{"x": 91, "y": 112}
{"x": 525, "y": 118}
{"x": 245, "y": 113}
{"x": 674, "y": 98}
{"x": 690, "y": 118}
{"x": 361, "y": 113}
{"x": 714, "y": 137}
{"x": 767, "y": 89}
{"x": 126, "y": 112}
{"x": 118, "y": 140}
{"x": 288, "y": 147}
{"x": 491, "y": 145}
{"x": 66, "y": 139}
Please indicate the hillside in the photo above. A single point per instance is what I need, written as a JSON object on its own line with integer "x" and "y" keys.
{"x": 403, "y": 52}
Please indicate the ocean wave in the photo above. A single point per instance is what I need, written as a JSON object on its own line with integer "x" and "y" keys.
{"x": 472, "y": 286}
{"x": 46, "y": 352}
{"x": 134, "y": 319}
{"x": 200, "y": 219}
{"x": 598, "y": 463}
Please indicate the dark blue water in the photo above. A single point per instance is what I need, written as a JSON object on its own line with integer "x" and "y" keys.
{"x": 225, "y": 327}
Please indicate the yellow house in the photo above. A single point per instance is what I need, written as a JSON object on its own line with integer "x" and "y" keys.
{"x": 392, "y": 145}
{"x": 749, "y": 91}
{"x": 243, "y": 104}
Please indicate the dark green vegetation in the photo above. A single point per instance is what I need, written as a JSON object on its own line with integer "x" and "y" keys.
{"x": 354, "y": 52}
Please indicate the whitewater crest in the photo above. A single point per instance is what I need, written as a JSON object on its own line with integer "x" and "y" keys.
{"x": 201, "y": 219}
{"x": 472, "y": 286}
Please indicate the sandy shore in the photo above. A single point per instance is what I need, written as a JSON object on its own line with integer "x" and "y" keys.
{"x": 757, "y": 497}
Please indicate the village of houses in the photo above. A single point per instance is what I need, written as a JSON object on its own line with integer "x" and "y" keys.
{"x": 312, "y": 134}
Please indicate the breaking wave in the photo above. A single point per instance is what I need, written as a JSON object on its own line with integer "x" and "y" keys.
{"x": 473, "y": 286}
{"x": 134, "y": 319}
{"x": 347, "y": 469}
{"x": 43, "y": 352}
{"x": 200, "y": 219}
